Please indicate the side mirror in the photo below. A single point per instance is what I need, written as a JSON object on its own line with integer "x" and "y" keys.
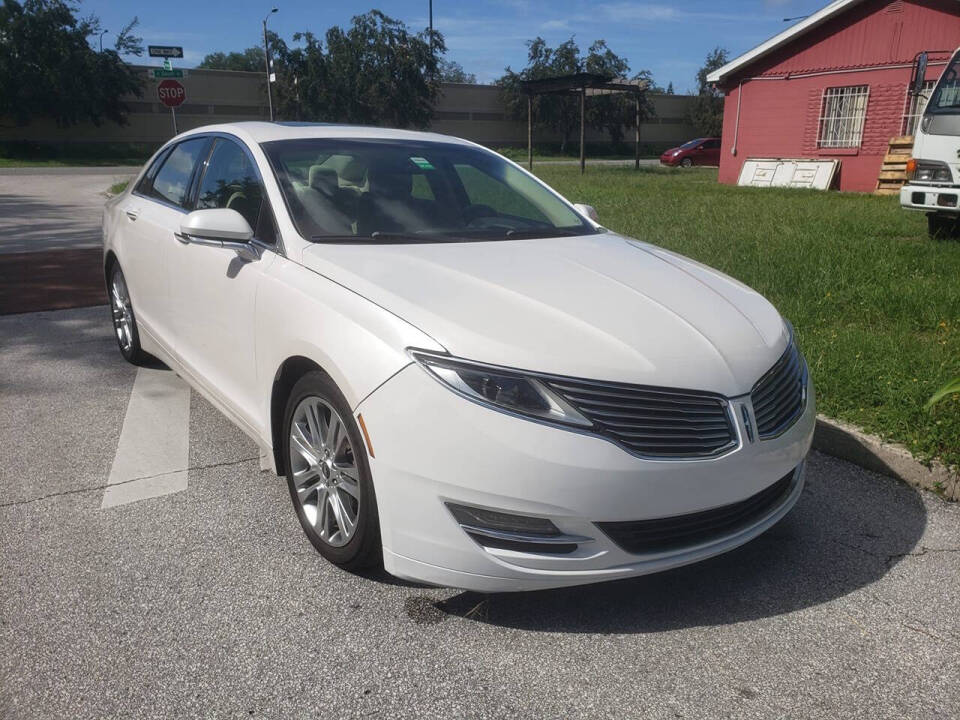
{"x": 919, "y": 73}
{"x": 219, "y": 227}
{"x": 587, "y": 210}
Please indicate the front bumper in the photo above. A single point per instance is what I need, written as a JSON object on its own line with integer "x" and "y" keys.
{"x": 671, "y": 160}
{"x": 433, "y": 447}
{"x": 931, "y": 198}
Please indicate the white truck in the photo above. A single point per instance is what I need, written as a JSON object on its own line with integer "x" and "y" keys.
{"x": 933, "y": 171}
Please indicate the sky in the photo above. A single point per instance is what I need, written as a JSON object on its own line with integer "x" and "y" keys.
{"x": 671, "y": 40}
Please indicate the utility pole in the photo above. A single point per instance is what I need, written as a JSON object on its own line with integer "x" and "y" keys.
{"x": 431, "y": 28}
{"x": 104, "y": 32}
{"x": 266, "y": 62}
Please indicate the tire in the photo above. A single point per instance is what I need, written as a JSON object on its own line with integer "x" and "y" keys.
{"x": 686, "y": 162}
{"x": 941, "y": 227}
{"x": 328, "y": 474}
{"x": 124, "y": 319}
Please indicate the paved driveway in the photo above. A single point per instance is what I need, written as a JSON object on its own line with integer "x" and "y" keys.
{"x": 54, "y": 208}
{"x": 200, "y": 596}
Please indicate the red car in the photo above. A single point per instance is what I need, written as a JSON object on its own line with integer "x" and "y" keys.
{"x": 702, "y": 151}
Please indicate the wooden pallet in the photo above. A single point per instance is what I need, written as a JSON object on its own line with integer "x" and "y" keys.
{"x": 893, "y": 171}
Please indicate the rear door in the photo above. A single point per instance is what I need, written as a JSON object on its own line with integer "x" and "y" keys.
{"x": 150, "y": 217}
{"x": 214, "y": 291}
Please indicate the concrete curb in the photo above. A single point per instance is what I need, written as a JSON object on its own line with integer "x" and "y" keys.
{"x": 848, "y": 442}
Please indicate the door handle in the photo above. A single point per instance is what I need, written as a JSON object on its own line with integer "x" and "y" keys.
{"x": 132, "y": 214}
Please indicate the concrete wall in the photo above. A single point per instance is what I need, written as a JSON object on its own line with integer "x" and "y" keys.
{"x": 214, "y": 96}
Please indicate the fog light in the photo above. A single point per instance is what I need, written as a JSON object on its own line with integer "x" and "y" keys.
{"x": 918, "y": 198}
{"x": 503, "y": 522}
{"x": 947, "y": 200}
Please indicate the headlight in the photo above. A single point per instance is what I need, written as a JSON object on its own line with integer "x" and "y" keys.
{"x": 501, "y": 388}
{"x": 928, "y": 171}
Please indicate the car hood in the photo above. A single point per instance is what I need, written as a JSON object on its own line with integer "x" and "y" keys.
{"x": 599, "y": 306}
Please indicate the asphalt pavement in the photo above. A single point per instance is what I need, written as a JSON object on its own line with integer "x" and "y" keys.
{"x": 54, "y": 208}
{"x": 206, "y": 600}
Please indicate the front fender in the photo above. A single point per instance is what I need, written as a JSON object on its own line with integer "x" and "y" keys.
{"x": 358, "y": 343}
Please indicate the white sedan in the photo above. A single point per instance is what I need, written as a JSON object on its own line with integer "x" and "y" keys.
{"x": 460, "y": 374}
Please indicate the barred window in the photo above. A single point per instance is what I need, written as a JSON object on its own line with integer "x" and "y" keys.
{"x": 842, "y": 114}
{"x": 913, "y": 109}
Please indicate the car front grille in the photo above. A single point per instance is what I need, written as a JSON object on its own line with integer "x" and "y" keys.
{"x": 652, "y": 422}
{"x": 681, "y": 531}
{"x": 779, "y": 396}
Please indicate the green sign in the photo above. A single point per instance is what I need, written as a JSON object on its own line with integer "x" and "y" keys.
{"x": 160, "y": 73}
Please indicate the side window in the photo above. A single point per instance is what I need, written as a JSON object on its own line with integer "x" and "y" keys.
{"x": 173, "y": 178}
{"x": 711, "y": 145}
{"x": 146, "y": 182}
{"x": 231, "y": 181}
{"x": 420, "y": 187}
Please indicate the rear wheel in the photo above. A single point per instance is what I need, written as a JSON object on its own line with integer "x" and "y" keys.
{"x": 328, "y": 474}
{"x": 942, "y": 226}
{"x": 124, "y": 320}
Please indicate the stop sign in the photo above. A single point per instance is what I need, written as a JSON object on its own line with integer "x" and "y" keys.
{"x": 171, "y": 93}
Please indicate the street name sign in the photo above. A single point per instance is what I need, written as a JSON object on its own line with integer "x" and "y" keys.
{"x": 165, "y": 51}
{"x": 161, "y": 73}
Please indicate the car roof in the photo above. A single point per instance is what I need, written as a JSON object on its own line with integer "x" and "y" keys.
{"x": 260, "y": 132}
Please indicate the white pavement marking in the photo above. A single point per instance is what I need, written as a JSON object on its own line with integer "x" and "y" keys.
{"x": 153, "y": 452}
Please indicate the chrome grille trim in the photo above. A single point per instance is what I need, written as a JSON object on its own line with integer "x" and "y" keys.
{"x": 658, "y": 423}
{"x": 780, "y": 396}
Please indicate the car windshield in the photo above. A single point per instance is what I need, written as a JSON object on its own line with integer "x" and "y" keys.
{"x": 691, "y": 144}
{"x": 390, "y": 191}
{"x": 945, "y": 99}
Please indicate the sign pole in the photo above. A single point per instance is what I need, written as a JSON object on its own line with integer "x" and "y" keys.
{"x": 173, "y": 114}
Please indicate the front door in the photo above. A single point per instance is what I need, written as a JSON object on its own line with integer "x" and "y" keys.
{"x": 711, "y": 152}
{"x": 213, "y": 290}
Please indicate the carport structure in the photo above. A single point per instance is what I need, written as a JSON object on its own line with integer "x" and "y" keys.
{"x": 581, "y": 84}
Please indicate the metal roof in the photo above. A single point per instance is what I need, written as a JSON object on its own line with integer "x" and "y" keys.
{"x": 562, "y": 84}
{"x": 808, "y": 23}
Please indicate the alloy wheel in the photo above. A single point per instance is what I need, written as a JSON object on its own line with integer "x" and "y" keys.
{"x": 122, "y": 311}
{"x": 325, "y": 474}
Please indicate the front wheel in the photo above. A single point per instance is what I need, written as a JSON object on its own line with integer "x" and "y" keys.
{"x": 686, "y": 162}
{"x": 328, "y": 474}
{"x": 124, "y": 321}
{"x": 942, "y": 226}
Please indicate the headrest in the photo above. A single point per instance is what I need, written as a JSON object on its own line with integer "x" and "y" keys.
{"x": 353, "y": 172}
{"x": 323, "y": 179}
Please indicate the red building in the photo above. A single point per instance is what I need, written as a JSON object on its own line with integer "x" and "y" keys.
{"x": 834, "y": 86}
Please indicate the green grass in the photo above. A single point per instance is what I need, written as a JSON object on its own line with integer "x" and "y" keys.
{"x": 118, "y": 187}
{"x": 92, "y": 154}
{"x": 875, "y": 303}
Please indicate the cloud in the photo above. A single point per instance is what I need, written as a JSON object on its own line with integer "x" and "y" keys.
{"x": 628, "y": 12}
{"x": 552, "y": 25}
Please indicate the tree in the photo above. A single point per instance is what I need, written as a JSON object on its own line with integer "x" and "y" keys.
{"x": 376, "y": 72}
{"x": 561, "y": 113}
{"x": 706, "y": 111}
{"x": 48, "y": 67}
{"x": 249, "y": 60}
{"x": 670, "y": 88}
{"x": 453, "y": 72}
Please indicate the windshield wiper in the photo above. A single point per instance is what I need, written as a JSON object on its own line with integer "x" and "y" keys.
{"x": 380, "y": 236}
{"x": 538, "y": 233}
